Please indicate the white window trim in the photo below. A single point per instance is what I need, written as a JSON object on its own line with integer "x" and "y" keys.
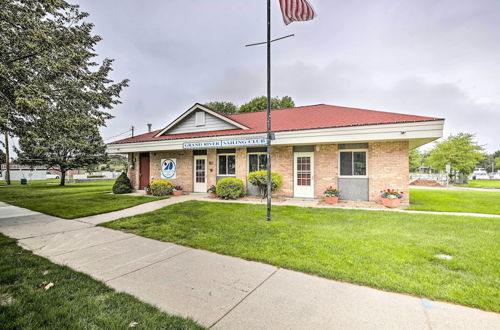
{"x": 353, "y": 176}
{"x": 226, "y": 154}
{"x": 248, "y": 159}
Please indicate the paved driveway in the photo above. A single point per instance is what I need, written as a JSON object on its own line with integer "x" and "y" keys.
{"x": 225, "y": 292}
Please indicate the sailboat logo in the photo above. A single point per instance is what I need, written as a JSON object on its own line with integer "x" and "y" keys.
{"x": 168, "y": 168}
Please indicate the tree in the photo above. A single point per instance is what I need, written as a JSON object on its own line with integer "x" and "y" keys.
{"x": 497, "y": 163}
{"x": 74, "y": 142}
{"x": 260, "y": 104}
{"x": 225, "y": 107}
{"x": 460, "y": 151}
{"x": 3, "y": 157}
{"x": 47, "y": 65}
{"x": 416, "y": 160}
{"x": 489, "y": 161}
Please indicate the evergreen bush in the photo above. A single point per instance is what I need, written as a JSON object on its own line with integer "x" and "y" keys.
{"x": 122, "y": 185}
{"x": 230, "y": 188}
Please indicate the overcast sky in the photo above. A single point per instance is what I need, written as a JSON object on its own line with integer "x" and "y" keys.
{"x": 428, "y": 57}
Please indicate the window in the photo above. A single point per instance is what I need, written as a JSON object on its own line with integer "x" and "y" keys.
{"x": 303, "y": 171}
{"x": 257, "y": 162}
{"x": 200, "y": 118}
{"x": 353, "y": 163}
{"x": 227, "y": 164}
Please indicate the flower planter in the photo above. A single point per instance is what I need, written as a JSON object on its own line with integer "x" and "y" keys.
{"x": 177, "y": 192}
{"x": 212, "y": 195}
{"x": 331, "y": 199}
{"x": 391, "y": 202}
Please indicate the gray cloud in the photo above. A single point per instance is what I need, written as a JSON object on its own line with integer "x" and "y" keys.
{"x": 437, "y": 58}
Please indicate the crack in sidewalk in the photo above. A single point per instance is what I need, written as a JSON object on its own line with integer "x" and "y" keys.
{"x": 243, "y": 299}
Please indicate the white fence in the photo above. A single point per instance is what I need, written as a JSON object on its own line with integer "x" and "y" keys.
{"x": 441, "y": 178}
{"x": 18, "y": 174}
{"x": 96, "y": 175}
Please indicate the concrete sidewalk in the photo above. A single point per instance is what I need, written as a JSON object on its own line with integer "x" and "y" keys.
{"x": 225, "y": 292}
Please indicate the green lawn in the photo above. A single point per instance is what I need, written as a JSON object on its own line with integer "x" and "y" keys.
{"x": 455, "y": 201}
{"x": 481, "y": 184}
{"x": 76, "y": 301}
{"x": 70, "y": 201}
{"x": 388, "y": 250}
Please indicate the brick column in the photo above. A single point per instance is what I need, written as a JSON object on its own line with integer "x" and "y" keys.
{"x": 211, "y": 167}
{"x": 388, "y": 168}
{"x": 325, "y": 168}
{"x": 241, "y": 165}
{"x": 282, "y": 163}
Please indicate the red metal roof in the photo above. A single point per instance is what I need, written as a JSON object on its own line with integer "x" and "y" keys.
{"x": 295, "y": 119}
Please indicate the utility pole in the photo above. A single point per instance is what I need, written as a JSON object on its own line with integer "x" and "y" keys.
{"x": 132, "y": 129}
{"x": 7, "y": 159}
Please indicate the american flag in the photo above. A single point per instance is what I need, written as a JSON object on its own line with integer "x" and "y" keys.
{"x": 296, "y": 10}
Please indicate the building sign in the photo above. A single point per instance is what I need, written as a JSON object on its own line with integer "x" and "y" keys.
{"x": 168, "y": 168}
{"x": 225, "y": 143}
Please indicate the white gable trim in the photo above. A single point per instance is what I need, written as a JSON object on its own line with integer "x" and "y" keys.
{"x": 195, "y": 107}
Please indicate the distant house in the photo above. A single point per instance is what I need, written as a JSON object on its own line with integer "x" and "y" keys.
{"x": 359, "y": 151}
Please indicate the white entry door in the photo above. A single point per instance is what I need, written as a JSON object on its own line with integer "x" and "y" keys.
{"x": 200, "y": 174}
{"x": 303, "y": 174}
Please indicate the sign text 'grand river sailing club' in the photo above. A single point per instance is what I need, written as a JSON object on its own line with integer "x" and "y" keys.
{"x": 225, "y": 143}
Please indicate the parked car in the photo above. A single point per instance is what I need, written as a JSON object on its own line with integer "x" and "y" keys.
{"x": 479, "y": 174}
{"x": 50, "y": 175}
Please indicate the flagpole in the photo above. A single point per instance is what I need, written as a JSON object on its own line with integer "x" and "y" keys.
{"x": 269, "y": 185}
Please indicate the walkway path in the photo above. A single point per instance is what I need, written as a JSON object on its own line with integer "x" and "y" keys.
{"x": 220, "y": 291}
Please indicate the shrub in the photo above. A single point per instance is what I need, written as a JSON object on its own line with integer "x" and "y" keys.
{"x": 161, "y": 188}
{"x": 230, "y": 188}
{"x": 259, "y": 179}
{"x": 122, "y": 185}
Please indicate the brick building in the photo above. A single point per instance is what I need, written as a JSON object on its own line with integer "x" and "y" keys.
{"x": 358, "y": 151}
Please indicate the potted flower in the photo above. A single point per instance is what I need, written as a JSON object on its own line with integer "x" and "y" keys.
{"x": 212, "y": 191}
{"x": 391, "y": 197}
{"x": 177, "y": 191}
{"x": 331, "y": 195}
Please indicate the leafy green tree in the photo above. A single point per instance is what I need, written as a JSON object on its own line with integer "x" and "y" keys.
{"x": 416, "y": 160}
{"x": 52, "y": 90}
{"x": 497, "y": 163}
{"x": 70, "y": 143}
{"x": 460, "y": 151}
{"x": 260, "y": 104}
{"x": 225, "y": 107}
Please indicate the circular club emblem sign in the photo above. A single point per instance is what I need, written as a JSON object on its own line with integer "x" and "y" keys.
{"x": 168, "y": 168}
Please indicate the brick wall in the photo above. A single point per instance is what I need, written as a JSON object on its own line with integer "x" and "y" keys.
{"x": 388, "y": 168}
{"x": 325, "y": 168}
{"x": 133, "y": 173}
{"x": 282, "y": 163}
{"x": 184, "y": 163}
